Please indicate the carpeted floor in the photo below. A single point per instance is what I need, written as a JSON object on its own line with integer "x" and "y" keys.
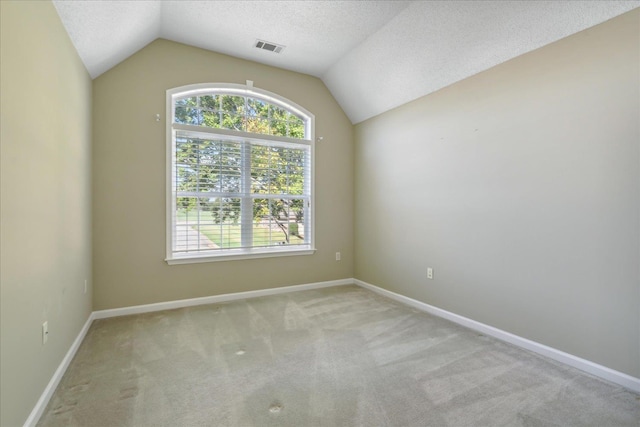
{"x": 340, "y": 356}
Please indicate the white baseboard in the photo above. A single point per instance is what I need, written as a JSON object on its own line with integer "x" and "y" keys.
{"x": 147, "y": 308}
{"x": 42, "y": 403}
{"x": 616, "y": 377}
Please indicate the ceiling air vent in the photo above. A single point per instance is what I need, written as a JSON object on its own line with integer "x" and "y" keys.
{"x": 271, "y": 47}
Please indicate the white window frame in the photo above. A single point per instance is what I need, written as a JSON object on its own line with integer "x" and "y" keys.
{"x": 171, "y": 128}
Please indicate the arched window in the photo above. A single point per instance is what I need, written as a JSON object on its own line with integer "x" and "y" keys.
{"x": 239, "y": 179}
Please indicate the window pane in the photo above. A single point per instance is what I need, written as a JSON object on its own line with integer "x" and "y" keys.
{"x": 211, "y": 119}
{"x": 186, "y": 179}
{"x": 296, "y": 127}
{"x": 296, "y": 183}
{"x": 259, "y": 156}
{"x": 188, "y": 115}
{"x": 233, "y": 104}
{"x": 278, "y": 128}
{"x": 278, "y": 113}
{"x": 278, "y": 177}
{"x": 187, "y": 151}
{"x": 226, "y": 211}
{"x": 259, "y": 169}
{"x": 224, "y": 229}
{"x": 191, "y": 213}
{"x": 277, "y": 170}
{"x": 186, "y": 165}
{"x": 230, "y": 167}
{"x": 267, "y": 231}
{"x": 208, "y": 153}
{"x": 260, "y": 178}
{"x": 278, "y": 222}
{"x": 295, "y": 172}
{"x": 257, "y": 125}
{"x": 187, "y": 102}
{"x": 208, "y": 178}
{"x": 257, "y": 108}
{"x": 231, "y": 121}
{"x": 207, "y": 223}
{"x": 209, "y": 102}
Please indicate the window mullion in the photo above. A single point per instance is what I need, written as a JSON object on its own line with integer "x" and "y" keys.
{"x": 246, "y": 203}
{"x": 198, "y": 177}
{"x": 307, "y": 203}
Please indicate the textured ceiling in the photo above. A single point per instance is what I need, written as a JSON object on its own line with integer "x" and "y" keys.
{"x": 430, "y": 45}
{"x": 372, "y": 55}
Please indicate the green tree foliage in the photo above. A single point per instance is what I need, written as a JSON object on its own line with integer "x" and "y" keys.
{"x": 238, "y": 113}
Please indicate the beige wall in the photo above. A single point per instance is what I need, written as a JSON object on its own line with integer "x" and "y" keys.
{"x": 129, "y": 181}
{"x": 520, "y": 186}
{"x": 45, "y": 118}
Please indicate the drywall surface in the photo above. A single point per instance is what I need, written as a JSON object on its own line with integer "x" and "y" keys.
{"x": 129, "y": 181}
{"x": 45, "y": 215}
{"x": 520, "y": 187}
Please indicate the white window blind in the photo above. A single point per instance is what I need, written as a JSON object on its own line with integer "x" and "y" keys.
{"x": 241, "y": 180}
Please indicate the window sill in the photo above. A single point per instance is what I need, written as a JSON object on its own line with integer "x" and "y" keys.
{"x": 237, "y": 255}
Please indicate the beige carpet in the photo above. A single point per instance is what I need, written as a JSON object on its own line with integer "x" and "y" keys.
{"x": 339, "y": 356}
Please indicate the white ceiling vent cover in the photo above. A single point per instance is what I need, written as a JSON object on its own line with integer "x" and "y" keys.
{"x": 271, "y": 47}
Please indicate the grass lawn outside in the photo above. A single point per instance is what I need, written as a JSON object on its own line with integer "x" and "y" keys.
{"x": 229, "y": 235}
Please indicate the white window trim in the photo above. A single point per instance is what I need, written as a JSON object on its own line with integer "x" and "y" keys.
{"x": 243, "y": 90}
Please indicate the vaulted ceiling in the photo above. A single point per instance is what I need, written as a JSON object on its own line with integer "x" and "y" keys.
{"x": 372, "y": 55}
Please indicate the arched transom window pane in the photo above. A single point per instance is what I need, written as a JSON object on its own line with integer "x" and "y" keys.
{"x": 241, "y": 113}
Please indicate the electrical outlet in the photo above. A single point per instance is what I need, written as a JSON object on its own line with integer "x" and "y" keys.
{"x": 45, "y": 332}
{"x": 337, "y": 256}
{"x": 429, "y": 273}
